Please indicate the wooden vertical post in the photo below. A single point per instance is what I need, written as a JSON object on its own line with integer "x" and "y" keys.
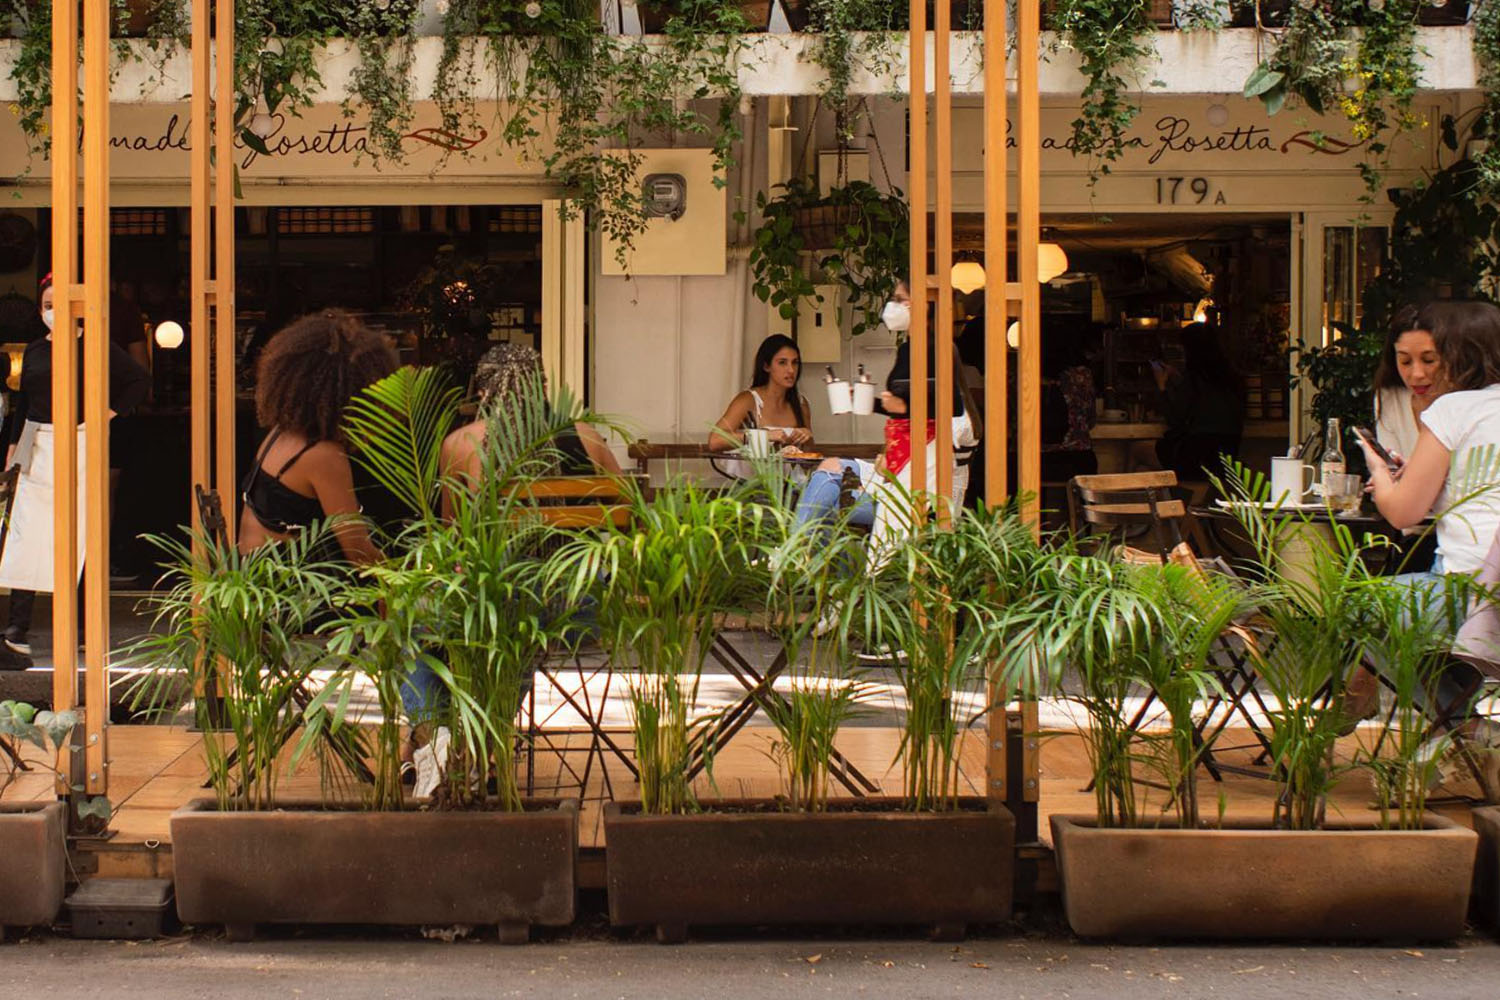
{"x": 1025, "y": 721}
{"x": 943, "y": 265}
{"x": 224, "y": 265}
{"x": 916, "y": 183}
{"x": 200, "y": 251}
{"x": 65, "y": 372}
{"x": 97, "y": 15}
{"x": 1028, "y": 236}
{"x": 996, "y": 417}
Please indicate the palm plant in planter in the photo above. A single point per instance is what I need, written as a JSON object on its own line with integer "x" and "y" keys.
{"x": 805, "y": 859}
{"x": 33, "y": 852}
{"x": 459, "y": 595}
{"x": 1299, "y": 873}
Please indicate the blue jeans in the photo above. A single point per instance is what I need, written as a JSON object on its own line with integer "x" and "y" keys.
{"x": 820, "y": 498}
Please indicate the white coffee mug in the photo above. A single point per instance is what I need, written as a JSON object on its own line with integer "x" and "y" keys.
{"x": 864, "y": 398}
{"x": 839, "y": 400}
{"x": 757, "y": 442}
{"x": 1290, "y": 480}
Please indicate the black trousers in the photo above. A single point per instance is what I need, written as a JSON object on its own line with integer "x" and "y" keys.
{"x": 23, "y": 604}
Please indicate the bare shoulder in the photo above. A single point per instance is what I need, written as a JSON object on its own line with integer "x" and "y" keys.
{"x": 462, "y": 444}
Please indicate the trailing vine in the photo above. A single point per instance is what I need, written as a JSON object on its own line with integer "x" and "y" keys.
{"x": 1112, "y": 38}
{"x": 581, "y": 100}
{"x": 1316, "y": 54}
{"x": 385, "y": 33}
{"x": 1487, "y": 49}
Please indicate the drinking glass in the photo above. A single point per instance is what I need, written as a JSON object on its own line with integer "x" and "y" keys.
{"x": 1343, "y": 492}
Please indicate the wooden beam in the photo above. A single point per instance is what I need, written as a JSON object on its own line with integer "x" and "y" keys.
{"x": 96, "y": 52}
{"x": 224, "y": 264}
{"x": 553, "y": 293}
{"x": 65, "y": 372}
{"x": 1028, "y": 236}
{"x": 943, "y": 263}
{"x": 996, "y": 314}
{"x": 200, "y": 251}
{"x": 917, "y": 189}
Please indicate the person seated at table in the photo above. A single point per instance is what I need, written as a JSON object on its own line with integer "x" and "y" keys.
{"x": 502, "y": 375}
{"x": 1407, "y": 381}
{"x": 1205, "y": 405}
{"x": 304, "y": 380}
{"x": 772, "y": 403}
{"x": 1455, "y": 466}
{"x": 875, "y": 502}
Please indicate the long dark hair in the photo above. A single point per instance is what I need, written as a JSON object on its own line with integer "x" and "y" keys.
{"x": 1387, "y": 376}
{"x": 768, "y": 349}
{"x": 1467, "y": 337}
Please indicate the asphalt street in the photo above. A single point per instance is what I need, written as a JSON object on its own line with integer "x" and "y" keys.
{"x": 1013, "y": 967}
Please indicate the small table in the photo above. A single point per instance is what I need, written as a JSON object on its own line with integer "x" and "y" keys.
{"x": 1294, "y": 553}
{"x": 645, "y": 452}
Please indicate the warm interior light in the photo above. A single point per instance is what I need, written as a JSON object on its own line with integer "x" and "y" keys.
{"x": 1050, "y": 262}
{"x": 1013, "y": 335}
{"x": 1200, "y": 312}
{"x": 169, "y": 335}
{"x": 968, "y": 276}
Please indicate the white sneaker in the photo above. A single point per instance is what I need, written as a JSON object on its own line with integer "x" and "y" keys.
{"x": 430, "y": 761}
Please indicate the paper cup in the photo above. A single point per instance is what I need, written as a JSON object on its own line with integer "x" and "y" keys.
{"x": 838, "y": 396}
{"x": 864, "y": 398}
{"x": 757, "y": 442}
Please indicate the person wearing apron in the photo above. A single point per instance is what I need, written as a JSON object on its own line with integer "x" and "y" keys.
{"x": 26, "y": 566}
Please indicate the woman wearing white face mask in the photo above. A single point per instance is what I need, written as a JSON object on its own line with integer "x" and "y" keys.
{"x": 26, "y": 566}
{"x": 875, "y": 505}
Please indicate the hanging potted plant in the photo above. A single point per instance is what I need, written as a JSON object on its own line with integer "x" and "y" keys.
{"x": 1127, "y": 872}
{"x": 947, "y": 858}
{"x": 856, "y": 235}
{"x": 33, "y": 847}
{"x": 461, "y": 613}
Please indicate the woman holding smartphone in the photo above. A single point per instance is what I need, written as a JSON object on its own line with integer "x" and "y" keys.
{"x": 1410, "y": 377}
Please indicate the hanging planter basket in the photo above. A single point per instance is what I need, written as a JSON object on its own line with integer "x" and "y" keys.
{"x": 820, "y": 226}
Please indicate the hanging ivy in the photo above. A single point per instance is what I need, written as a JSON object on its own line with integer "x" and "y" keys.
{"x": 1487, "y": 127}
{"x": 1112, "y": 39}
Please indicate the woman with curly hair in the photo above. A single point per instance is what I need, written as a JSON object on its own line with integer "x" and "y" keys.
{"x": 306, "y": 376}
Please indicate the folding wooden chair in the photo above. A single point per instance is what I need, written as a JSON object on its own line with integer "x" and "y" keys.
{"x": 1146, "y": 513}
{"x": 577, "y": 503}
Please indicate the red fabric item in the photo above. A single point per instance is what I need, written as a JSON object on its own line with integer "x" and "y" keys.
{"x": 898, "y": 442}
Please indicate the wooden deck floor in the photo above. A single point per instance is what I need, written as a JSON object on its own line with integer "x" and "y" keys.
{"x": 156, "y": 769}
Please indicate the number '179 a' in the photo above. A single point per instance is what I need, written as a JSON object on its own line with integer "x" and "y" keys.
{"x": 1186, "y": 191}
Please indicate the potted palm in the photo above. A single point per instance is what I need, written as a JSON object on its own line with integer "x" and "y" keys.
{"x": 33, "y": 849}
{"x": 1298, "y": 873}
{"x": 946, "y": 859}
{"x": 461, "y": 609}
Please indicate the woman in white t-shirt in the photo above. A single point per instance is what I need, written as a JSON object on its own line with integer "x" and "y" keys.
{"x": 1408, "y": 380}
{"x": 1454, "y": 468}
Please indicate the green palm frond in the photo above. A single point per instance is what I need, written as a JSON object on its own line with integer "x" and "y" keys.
{"x": 396, "y": 428}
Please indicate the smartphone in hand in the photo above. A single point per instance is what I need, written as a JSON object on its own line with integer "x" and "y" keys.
{"x": 1368, "y": 437}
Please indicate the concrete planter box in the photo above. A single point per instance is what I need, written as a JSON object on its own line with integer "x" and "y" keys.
{"x": 1243, "y": 882}
{"x": 746, "y": 865}
{"x": 305, "y": 865}
{"x": 33, "y": 863}
{"x": 1487, "y": 867}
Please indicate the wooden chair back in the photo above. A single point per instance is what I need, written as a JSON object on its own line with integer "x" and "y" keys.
{"x": 580, "y": 501}
{"x": 211, "y": 514}
{"x": 1129, "y": 505}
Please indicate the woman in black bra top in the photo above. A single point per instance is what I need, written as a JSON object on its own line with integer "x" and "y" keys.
{"x": 306, "y": 376}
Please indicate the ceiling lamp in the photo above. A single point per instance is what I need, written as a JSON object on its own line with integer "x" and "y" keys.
{"x": 1051, "y": 262}
{"x": 968, "y": 276}
{"x": 1013, "y": 335}
{"x": 169, "y": 335}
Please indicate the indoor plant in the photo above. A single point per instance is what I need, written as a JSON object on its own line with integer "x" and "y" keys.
{"x": 33, "y": 849}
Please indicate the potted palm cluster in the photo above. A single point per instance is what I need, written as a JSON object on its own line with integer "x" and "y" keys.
{"x": 945, "y": 858}
{"x": 1100, "y": 631}
{"x": 33, "y": 848}
{"x": 444, "y": 635}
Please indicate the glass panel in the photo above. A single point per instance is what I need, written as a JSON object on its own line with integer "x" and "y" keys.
{"x": 1351, "y": 260}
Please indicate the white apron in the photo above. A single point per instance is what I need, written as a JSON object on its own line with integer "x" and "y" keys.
{"x": 26, "y": 563}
